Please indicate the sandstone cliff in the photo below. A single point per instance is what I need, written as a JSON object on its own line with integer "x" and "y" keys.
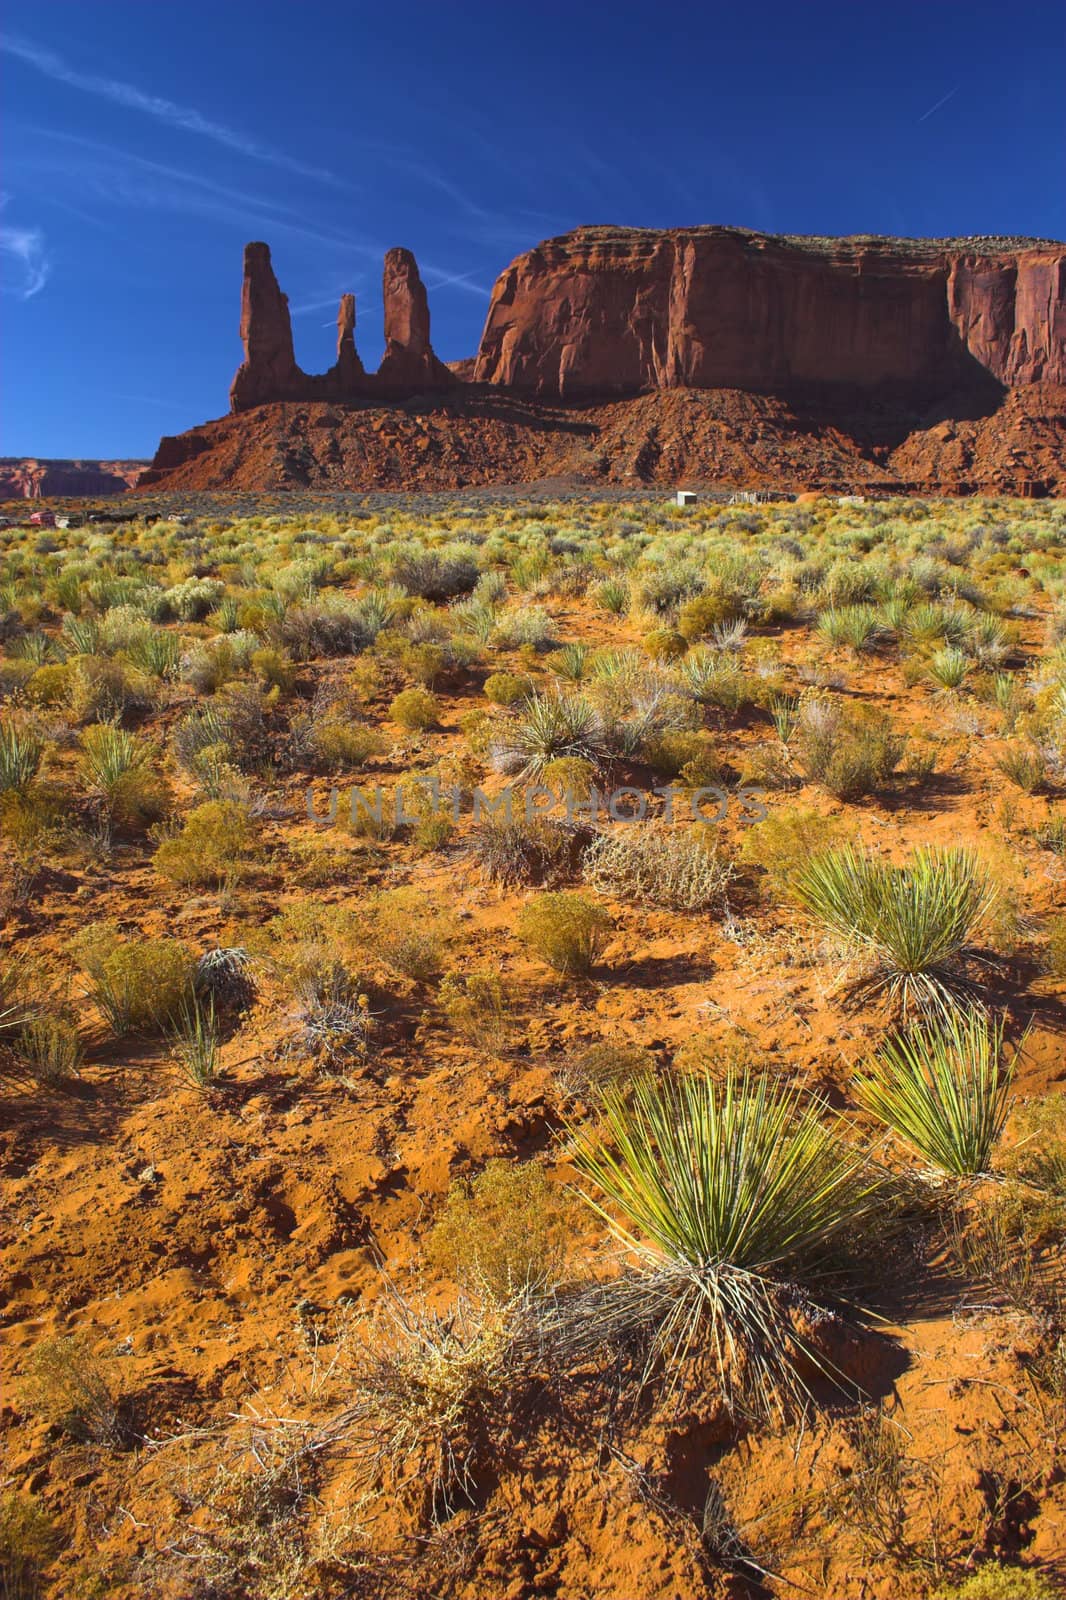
{"x": 269, "y": 370}
{"x": 26, "y": 478}
{"x": 610, "y": 311}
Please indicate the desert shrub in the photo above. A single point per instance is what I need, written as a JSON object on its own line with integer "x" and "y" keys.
{"x": 215, "y": 845}
{"x": 153, "y": 651}
{"x": 519, "y": 852}
{"x": 784, "y": 840}
{"x": 571, "y": 777}
{"x": 28, "y": 1543}
{"x": 687, "y": 754}
{"x": 699, "y": 616}
{"x": 189, "y": 601}
{"x": 424, "y": 662}
{"x": 504, "y": 689}
{"x": 914, "y": 923}
{"x": 70, "y": 1387}
{"x": 103, "y": 690}
{"x": 273, "y": 668}
{"x": 224, "y": 978}
{"x": 20, "y": 757}
{"x": 416, "y": 709}
{"x": 529, "y": 629}
{"x": 943, "y": 1088}
{"x": 611, "y": 596}
{"x": 995, "y": 1582}
{"x": 328, "y": 741}
{"x": 334, "y": 626}
{"x": 118, "y": 770}
{"x": 503, "y": 1233}
{"x": 138, "y": 984}
{"x": 481, "y": 1006}
{"x": 1024, "y": 765}
{"x": 665, "y": 644}
{"x": 546, "y": 728}
{"x": 430, "y": 1392}
{"x": 403, "y": 933}
{"x": 713, "y": 678}
{"x": 435, "y": 575}
{"x": 678, "y": 870}
{"x": 850, "y": 753}
{"x": 1037, "y": 1153}
{"x": 731, "y": 1197}
{"x": 565, "y": 930}
{"x": 608, "y": 1064}
{"x": 331, "y": 1020}
{"x": 50, "y": 1049}
{"x": 49, "y": 685}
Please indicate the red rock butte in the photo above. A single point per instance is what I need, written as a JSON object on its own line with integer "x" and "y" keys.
{"x": 807, "y": 361}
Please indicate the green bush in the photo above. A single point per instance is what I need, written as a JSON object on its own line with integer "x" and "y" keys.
{"x": 138, "y": 984}
{"x": 415, "y": 709}
{"x": 565, "y": 930}
{"x": 215, "y": 845}
{"x": 849, "y": 752}
{"x": 504, "y": 689}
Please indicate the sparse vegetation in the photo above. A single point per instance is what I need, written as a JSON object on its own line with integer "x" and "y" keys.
{"x": 312, "y": 1041}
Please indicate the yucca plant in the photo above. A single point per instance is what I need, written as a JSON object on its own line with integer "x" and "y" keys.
{"x": 155, "y": 651}
{"x": 548, "y": 727}
{"x": 948, "y": 668}
{"x": 117, "y": 768}
{"x": 914, "y": 922}
{"x": 195, "y": 1043}
{"x": 16, "y": 1010}
{"x": 943, "y": 1089}
{"x": 612, "y": 595}
{"x": 569, "y": 661}
{"x": 20, "y": 757}
{"x": 857, "y": 627}
{"x": 730, "y": 1198}
{"x": 82, "y": 635}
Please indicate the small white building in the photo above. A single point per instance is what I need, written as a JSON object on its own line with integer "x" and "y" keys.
{"x": 686, "y": 497}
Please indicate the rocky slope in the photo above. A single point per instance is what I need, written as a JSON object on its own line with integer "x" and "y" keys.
{"x": 24, "y": 478}
{"x": 725, "y": 437}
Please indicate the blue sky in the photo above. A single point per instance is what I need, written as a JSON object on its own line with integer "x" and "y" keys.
{"x": 145, "y": 143}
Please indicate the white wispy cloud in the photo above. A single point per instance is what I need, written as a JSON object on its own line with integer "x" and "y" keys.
{"x": 25, "y": 264}
{"x": 123, "y": 179}
{"x": 186, "y": 118}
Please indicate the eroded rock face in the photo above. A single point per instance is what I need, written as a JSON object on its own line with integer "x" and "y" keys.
{"x": 269, "y": 370}
{"x": 408, "y": 365}
{"x": 609, "y": 311}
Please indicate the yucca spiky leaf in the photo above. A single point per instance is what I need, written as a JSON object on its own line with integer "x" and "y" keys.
{"x": 942, "y": 1088}
{"x": 915, "y": 922}
{"x": 730, "y": 1198}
